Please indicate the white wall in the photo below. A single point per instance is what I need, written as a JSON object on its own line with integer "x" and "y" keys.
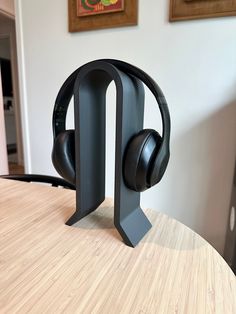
{"x": 194, "y": 63}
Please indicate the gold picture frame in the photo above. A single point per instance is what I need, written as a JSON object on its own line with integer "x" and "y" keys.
{"x": 198, "y": 9}
{"x": 126, "y": 17}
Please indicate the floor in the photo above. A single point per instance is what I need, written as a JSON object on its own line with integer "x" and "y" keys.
{"x": 15, "y": 168}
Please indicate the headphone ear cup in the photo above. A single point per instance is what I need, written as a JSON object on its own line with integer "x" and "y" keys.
{"x": 63, "y": 155}
{"x": 139, "y": 158}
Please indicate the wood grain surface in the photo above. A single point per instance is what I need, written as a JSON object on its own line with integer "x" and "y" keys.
{"x": 48, "y": 267}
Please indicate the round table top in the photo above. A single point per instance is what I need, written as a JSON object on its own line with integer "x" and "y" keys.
{"x": 46, "y": 266}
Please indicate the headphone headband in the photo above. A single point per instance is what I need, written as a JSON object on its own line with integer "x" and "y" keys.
{"x": 66, "y": 91}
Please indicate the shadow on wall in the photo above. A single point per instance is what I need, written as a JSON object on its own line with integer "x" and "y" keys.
{"x": 207, "y": 153}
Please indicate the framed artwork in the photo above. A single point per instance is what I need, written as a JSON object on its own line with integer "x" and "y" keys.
{"x": 96, "y": 14}
{"x": 196, "y": 9}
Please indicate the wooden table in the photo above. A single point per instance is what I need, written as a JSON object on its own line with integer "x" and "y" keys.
{"x": 48, "y": 267}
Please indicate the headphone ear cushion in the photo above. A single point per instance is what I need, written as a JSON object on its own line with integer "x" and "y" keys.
{"x": 139, "y": 158}
{"x": 63, "y": 155}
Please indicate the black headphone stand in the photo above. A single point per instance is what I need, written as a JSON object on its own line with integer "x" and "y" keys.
{"x": 90, "y": 117}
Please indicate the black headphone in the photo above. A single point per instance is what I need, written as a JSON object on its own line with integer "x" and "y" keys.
{"x": 147, "y": 153}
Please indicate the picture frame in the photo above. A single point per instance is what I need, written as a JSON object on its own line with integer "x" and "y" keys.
{"x": 198, "y": 9}
{"x": 125, "y": 16}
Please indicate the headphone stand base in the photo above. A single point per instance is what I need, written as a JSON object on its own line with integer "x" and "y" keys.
{"x": 133, "y": 227}
{"x": 78, "y": 214}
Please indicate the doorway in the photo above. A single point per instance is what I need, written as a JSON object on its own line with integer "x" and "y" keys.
{"x": 11, "y": 99}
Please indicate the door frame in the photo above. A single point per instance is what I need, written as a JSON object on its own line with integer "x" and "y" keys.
{"x": 24, "y": 108}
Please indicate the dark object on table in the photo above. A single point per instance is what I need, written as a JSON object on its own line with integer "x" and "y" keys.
{"x": 53, "y": 181}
